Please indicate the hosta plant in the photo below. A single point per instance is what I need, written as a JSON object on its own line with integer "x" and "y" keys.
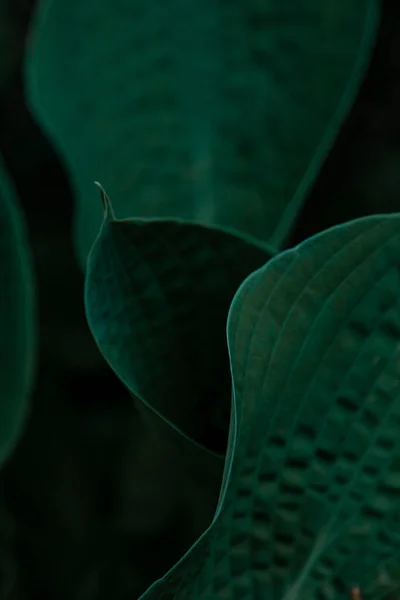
{"x": 209, "y": 122}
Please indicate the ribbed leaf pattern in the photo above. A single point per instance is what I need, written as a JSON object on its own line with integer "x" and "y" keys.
{"x": 310, "y": 500}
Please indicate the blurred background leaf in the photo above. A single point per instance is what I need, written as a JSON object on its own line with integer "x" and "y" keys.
{"x": 18, "y": 348}
{"x": 219, "y": 112}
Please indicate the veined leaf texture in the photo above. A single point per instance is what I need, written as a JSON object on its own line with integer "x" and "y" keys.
{"x": 219, "y": 112}
{"x": 17, "y": 318}
{"x": 309, "y": 504}
{"x": 208, "y": 122}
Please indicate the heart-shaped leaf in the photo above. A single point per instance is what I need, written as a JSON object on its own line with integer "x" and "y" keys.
{"x": 17, "y": 319}
{"x": 157, "y": 295}
{"x": 310, "y": 501}
{"x": 213, "y": 111}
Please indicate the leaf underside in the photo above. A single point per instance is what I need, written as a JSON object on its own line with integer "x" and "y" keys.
{"x": 157, "y": 295}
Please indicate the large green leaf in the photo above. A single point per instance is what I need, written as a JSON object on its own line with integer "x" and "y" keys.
{"x": 310, "y": 500}
{"x": 157, "y": 295}
{"x": 214, "y": 111}
{"x": 17, "y": 319}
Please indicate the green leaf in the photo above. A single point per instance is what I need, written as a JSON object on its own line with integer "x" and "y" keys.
{"x": 310, "y": 501}
{"x": 157, "y": 295}
{"x": 17, "y": 319}
{"x": 214, "y": 111}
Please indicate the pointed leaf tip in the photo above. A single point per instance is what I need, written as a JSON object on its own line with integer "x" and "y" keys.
{"x": 108, "y": 211}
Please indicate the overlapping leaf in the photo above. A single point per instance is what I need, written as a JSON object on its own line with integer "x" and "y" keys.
{"x": 17, "y": 319}
{"x": 216, "y": 111}
{"x": 157, "y": 295}
{"x": 11, "y": 45}
{"x": 310, "y": 502}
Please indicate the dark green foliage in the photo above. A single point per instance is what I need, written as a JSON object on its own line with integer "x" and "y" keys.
{"x": 218, "y": 111}
{"x": 17, "y": 319}
{"x": 157, "y": 296}
{"x": 309, "y": 503}
{"x": 251, "y": 449}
